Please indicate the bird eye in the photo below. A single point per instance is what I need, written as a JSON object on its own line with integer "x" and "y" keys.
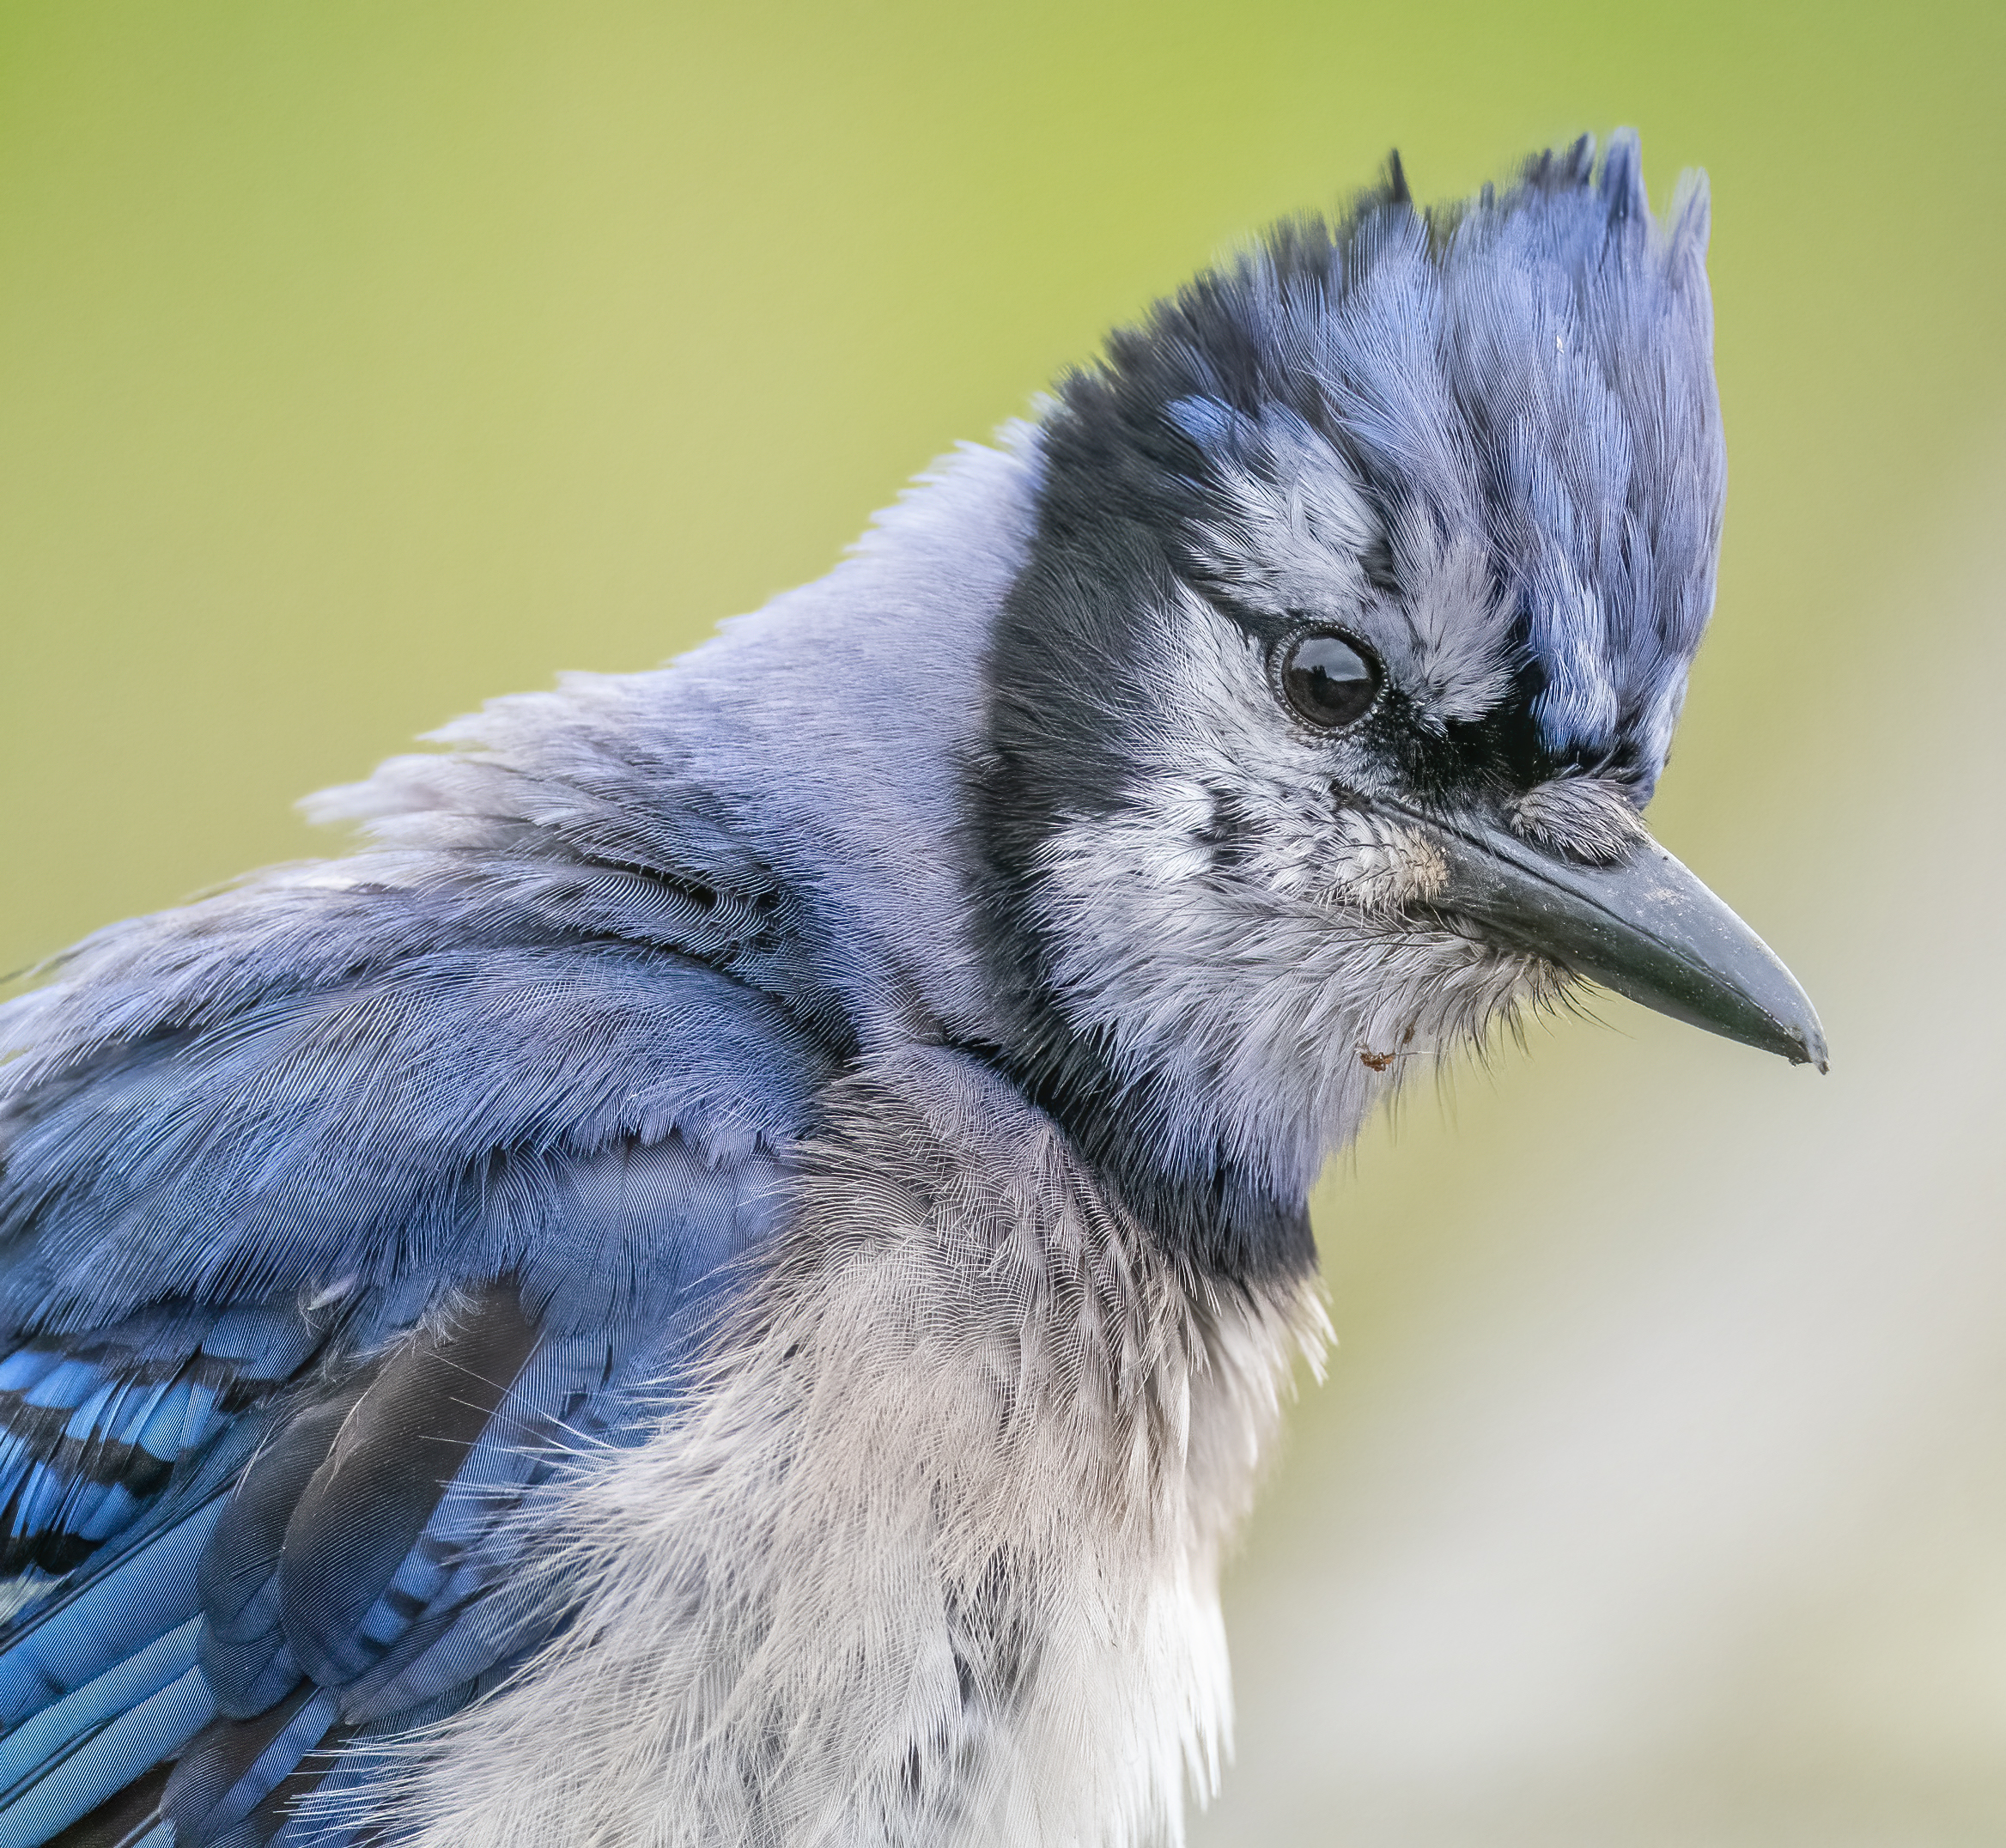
{"x": 1330, "y": 682}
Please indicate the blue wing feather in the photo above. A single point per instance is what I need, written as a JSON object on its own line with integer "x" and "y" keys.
{"x": 227, "y": 1256}
{"x": 352, "y": 1142}
{"x": 363, "y": 1571}
{"x": 514, "y": 1100}
{"x": 92, "y": 1428}
{"x": 102, "y": 1762}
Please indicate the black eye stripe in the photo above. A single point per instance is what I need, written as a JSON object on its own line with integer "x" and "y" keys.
{"x": 1328, "y": 680}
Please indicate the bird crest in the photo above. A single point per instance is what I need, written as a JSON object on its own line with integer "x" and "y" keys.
{"x": 1503, "y": 411}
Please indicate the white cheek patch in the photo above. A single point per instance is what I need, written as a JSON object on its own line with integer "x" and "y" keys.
{"x": 1273, "y": 978}
{"x": 1236, "y": 930}
{"x": 1381, "y": 867}
{"x": 1227, "y": 763}
{"x": 1300, "y": 847}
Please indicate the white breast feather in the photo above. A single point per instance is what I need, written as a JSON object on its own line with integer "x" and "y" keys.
{"x": 931, "y": 1557}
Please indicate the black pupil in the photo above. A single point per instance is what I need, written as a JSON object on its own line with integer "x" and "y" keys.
{"x": 1327, "y": 681}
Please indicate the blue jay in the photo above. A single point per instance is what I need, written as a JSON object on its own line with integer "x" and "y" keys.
{"x": 724, "y": 1278}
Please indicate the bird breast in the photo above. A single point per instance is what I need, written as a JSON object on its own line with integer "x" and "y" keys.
{"x": 930, "y": 1552}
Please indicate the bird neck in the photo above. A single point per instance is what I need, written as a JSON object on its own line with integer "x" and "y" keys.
{"x": 1218, "y": 1216}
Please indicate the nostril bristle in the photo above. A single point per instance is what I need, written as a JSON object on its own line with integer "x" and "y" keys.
{"x": 1583, "y": 817}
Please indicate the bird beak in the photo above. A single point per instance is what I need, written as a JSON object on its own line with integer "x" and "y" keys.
{"x": 1646, "y": 929}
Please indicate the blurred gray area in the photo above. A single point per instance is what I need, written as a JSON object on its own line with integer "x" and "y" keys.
{"x": 1662, "y": 1499}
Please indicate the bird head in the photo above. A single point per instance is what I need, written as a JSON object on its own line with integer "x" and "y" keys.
{"x": 1365, "y": 578}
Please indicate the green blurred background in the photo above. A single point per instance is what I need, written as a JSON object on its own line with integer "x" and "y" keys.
{"x": 358, "y": 361}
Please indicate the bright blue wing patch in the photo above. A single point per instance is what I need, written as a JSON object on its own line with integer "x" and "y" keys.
{"x": 91, "y": 1428}
{"x": 364, "y": 1572}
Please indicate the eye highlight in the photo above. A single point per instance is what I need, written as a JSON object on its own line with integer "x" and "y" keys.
{"x": 1329, "y": 681}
